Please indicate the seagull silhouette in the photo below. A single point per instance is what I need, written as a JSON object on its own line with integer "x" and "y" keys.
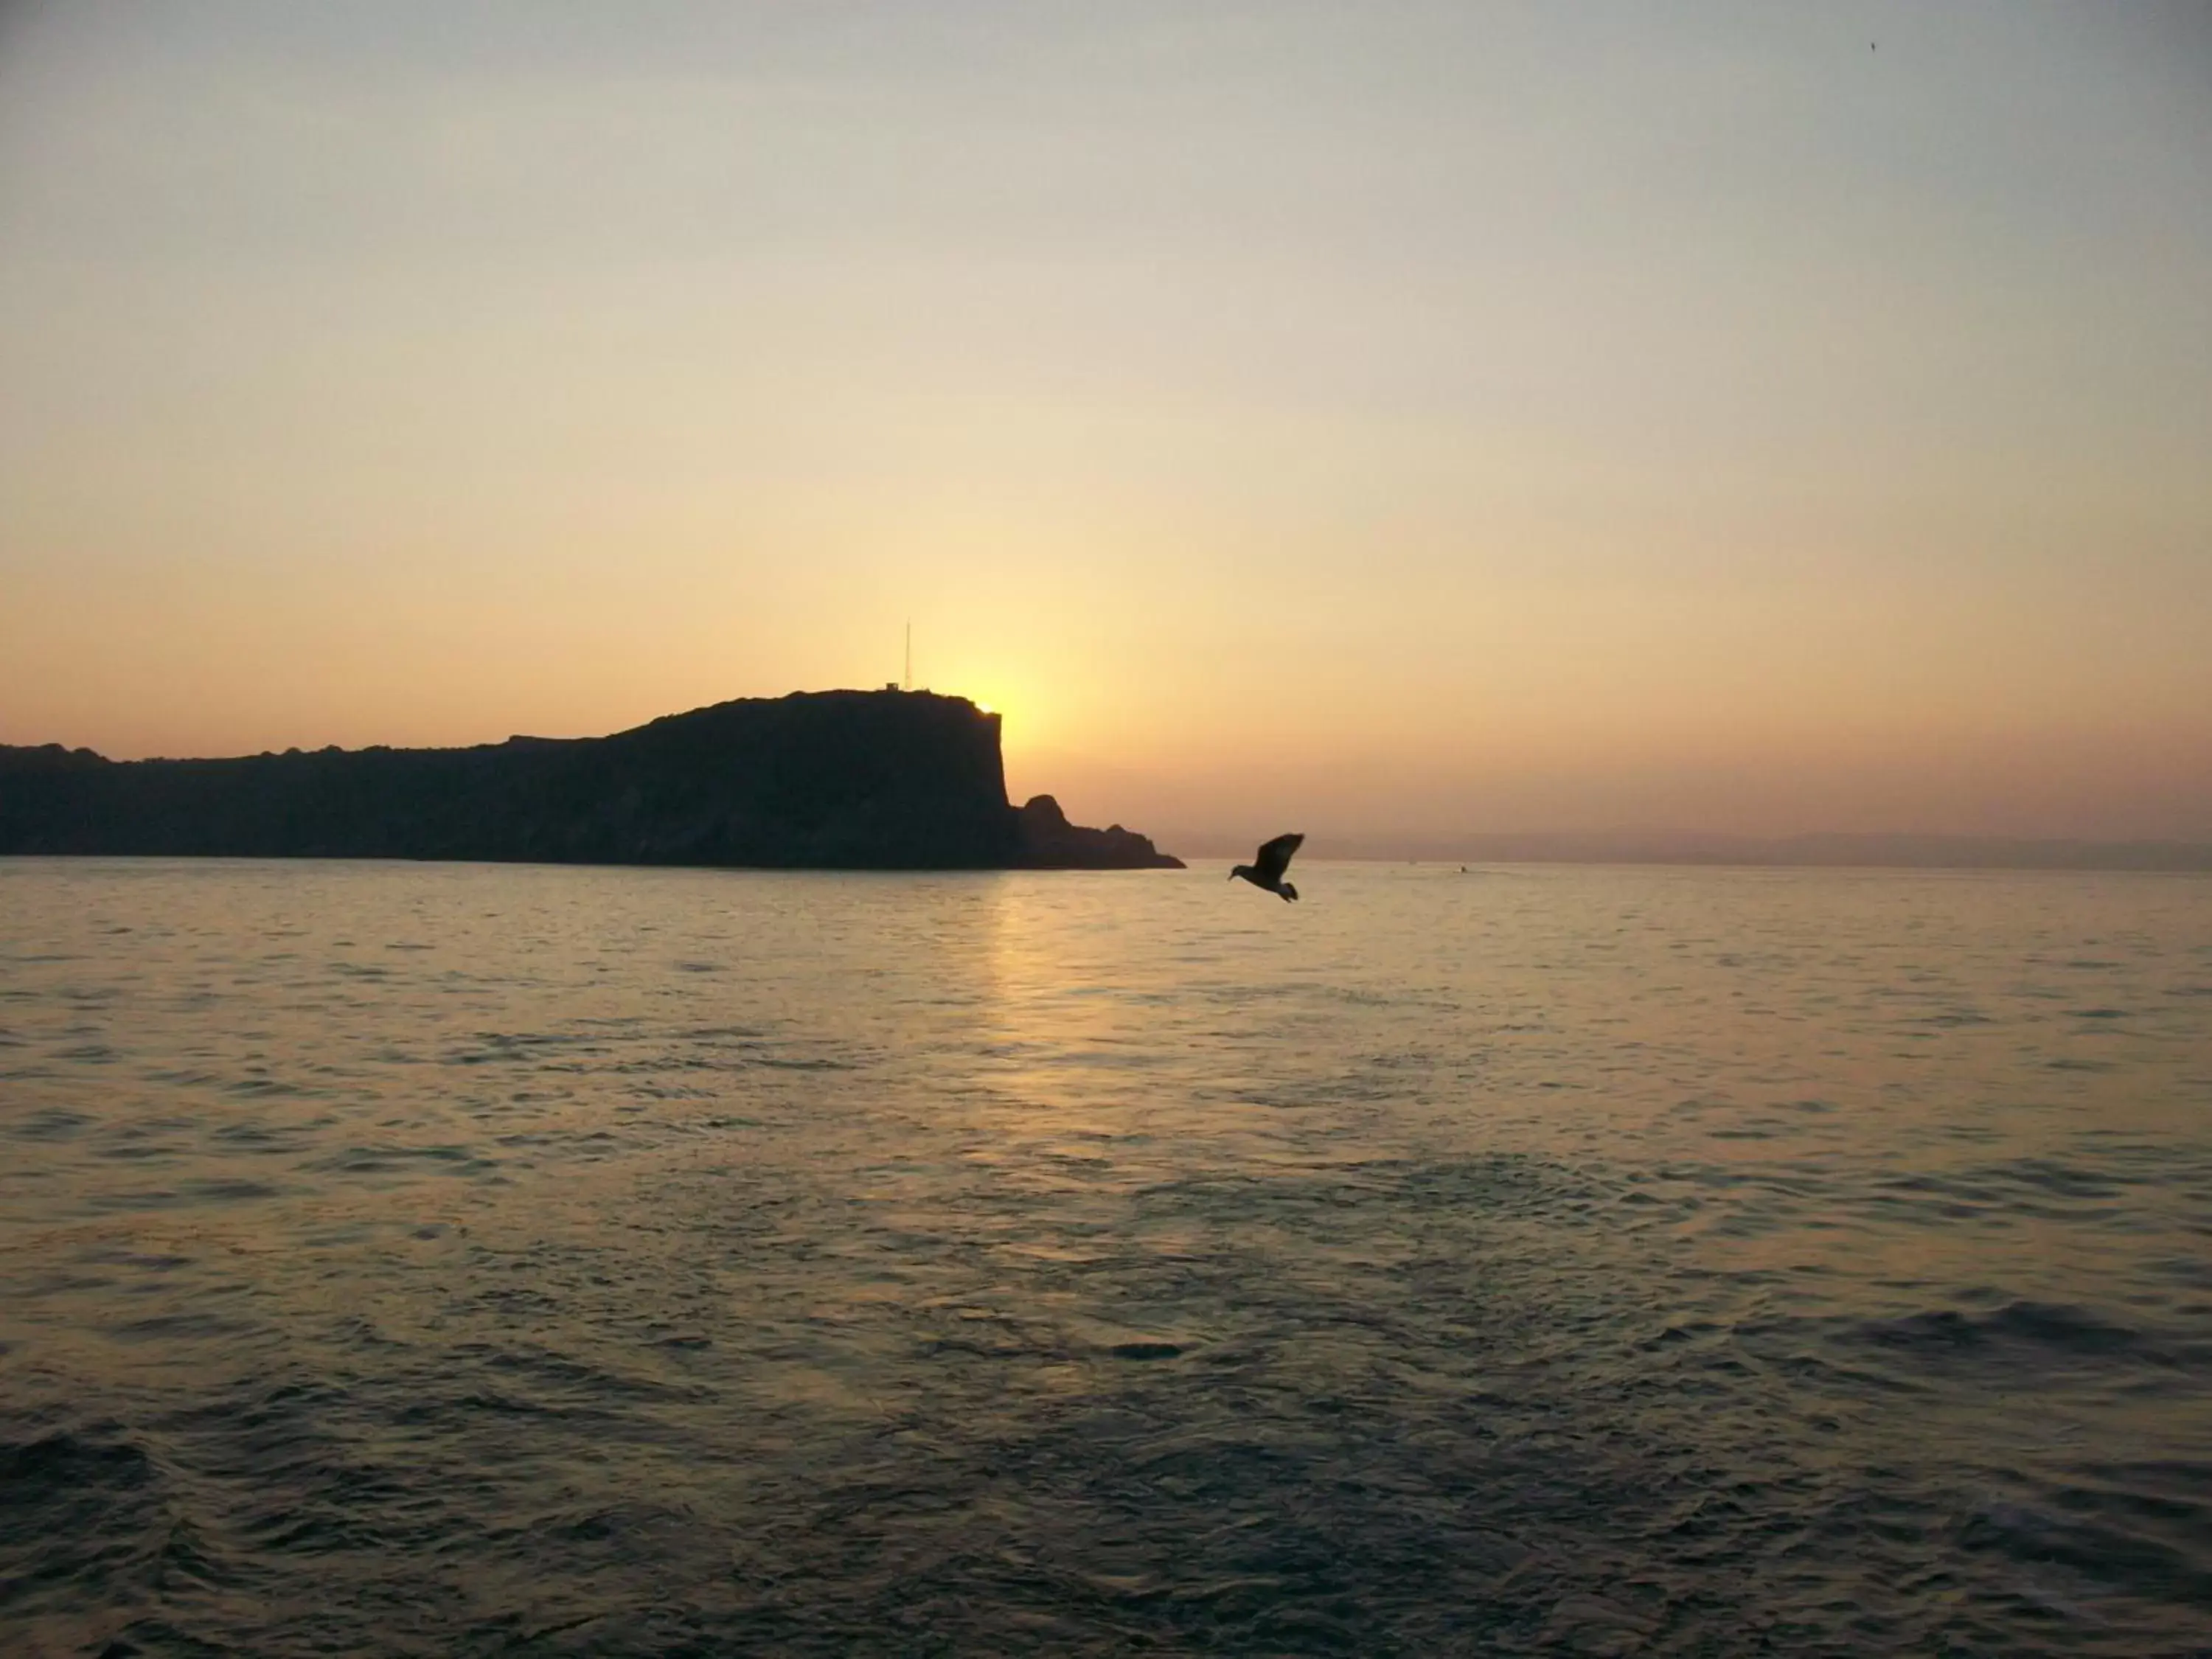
{"x": 1274, "y": 859}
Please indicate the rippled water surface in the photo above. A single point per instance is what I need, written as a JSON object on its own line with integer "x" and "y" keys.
{"x": 458, "y": 1260}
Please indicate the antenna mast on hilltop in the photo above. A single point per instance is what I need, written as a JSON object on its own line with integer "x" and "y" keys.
{"x": 906, "y": 684}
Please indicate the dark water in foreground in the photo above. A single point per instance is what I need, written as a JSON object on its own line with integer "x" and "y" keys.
{"x": 446, "y": 1260}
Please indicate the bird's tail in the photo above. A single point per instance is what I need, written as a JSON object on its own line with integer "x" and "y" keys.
{"x": 1289, "y": 892}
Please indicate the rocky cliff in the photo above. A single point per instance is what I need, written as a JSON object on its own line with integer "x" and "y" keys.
{"x": 822, "y": 780}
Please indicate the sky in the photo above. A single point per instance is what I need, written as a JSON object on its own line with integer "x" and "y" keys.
{"x": 1382, "y": 420}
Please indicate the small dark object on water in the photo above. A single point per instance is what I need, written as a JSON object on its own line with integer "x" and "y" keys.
{"x": 1273, "y": 859}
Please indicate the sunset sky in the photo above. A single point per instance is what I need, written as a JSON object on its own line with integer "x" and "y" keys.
{"x": 1376, "y": 419}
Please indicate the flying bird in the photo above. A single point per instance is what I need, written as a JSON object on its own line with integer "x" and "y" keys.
{"x": 1273, "y": 859}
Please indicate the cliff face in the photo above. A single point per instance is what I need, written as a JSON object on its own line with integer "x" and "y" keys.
{"x": 828, "y": 780}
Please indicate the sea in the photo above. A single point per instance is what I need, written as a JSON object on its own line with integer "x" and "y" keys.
{"x": 453, "y": 1260}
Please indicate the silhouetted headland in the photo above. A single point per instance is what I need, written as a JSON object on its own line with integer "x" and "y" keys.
{"x": 818, "y": 780}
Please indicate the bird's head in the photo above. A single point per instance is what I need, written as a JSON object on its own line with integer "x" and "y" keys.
{"x": 1241, "y": 869}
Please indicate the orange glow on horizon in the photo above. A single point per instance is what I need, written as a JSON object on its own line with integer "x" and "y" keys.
{"x": 1350, "y": 448}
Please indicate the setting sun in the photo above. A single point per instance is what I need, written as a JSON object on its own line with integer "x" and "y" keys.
{"x": 660, "y": 671}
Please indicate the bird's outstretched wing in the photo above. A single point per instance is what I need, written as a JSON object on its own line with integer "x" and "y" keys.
{"x": 1272, "y": 859}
